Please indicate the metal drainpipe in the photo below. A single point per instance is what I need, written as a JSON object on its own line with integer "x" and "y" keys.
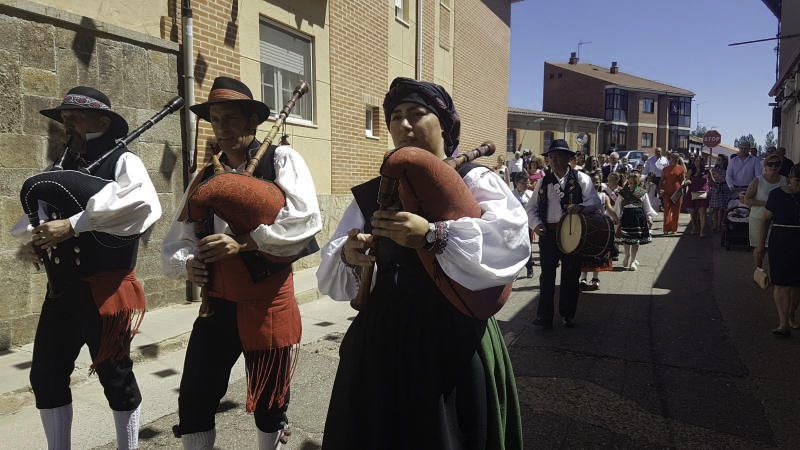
{"x": 419, "y": 40}
{"x": 188, "y": 79}
{"x": 597, "y": 140}
{"x": 192, "y": 291}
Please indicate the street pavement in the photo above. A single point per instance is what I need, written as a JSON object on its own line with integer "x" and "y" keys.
{"x": 678, "y": 354}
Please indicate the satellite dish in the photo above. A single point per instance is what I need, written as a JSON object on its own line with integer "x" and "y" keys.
{"x": 582, "y": 139}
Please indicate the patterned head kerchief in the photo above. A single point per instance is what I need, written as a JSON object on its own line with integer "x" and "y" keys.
{"x": 431, "y": 96}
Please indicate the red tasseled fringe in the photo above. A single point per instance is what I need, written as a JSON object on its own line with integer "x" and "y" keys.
{"x": 270, "y": 372}
{"x": 117, "y": 334}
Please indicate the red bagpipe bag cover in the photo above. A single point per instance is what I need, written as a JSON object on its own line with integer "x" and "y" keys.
{"x": 267, "y": 313}
{"x": 431, "y": 188}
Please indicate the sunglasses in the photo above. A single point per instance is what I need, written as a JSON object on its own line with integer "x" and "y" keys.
{"x": 773, "y": 164}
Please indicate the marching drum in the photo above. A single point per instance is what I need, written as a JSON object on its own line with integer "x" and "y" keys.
{"x": 585, "y": 234}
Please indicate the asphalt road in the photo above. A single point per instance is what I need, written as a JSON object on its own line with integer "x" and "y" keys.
{"x": 675, "y": 355}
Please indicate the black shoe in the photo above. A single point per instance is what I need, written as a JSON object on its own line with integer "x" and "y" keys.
{"x": 782, "y": 332}
{"x": 530, "y": 274}
{"x": 568, "y": 323}
{"x": 542, "y": 323}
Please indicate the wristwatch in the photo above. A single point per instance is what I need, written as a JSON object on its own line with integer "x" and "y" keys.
{"x": 430, "y": 236}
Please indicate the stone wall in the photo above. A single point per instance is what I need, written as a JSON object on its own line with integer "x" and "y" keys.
{"x": 43, "y": 53}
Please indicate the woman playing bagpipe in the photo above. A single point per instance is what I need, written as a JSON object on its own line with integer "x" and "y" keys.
{"x": 93, "y": 296}
{"x": 418, "y": 370}
{"x": 254, "y": 315}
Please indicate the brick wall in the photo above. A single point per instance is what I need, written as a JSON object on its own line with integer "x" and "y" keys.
{"x": 482, "y": 43}
{"x": 216, "y": 48}
{"x": 359, "y": 67}
{"x": 41, "y": 57}
{"x": 572, "y": 93}
{"x": 429, "y": 40}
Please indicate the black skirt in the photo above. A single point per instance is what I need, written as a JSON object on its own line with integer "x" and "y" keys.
{"x": 784, "y": 256}
{"x": 633, "y": 227}
{"x": 410, "y": 374}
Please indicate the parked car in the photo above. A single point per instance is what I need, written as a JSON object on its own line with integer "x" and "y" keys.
{"x": 635, "y": 157}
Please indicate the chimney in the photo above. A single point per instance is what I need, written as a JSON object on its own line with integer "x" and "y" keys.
{"x": 614, "y": 67}
{"x": 573, "y": 58}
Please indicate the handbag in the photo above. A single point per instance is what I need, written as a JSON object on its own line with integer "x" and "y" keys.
{"x": 761, "y": 278}
{"x": 676, "y": 196}
{"x": 699, "y": 195}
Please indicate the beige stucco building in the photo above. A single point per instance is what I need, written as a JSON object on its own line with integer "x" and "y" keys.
{"x": 348, "y": 50}
{"x": 535, "y": 130}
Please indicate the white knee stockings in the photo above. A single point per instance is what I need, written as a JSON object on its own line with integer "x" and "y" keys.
{"x": 203, "y": 440}
{"x": 57, "y": 423}
{"x": 127, "y": 424}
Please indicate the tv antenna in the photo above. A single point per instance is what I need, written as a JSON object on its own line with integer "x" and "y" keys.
{"x": 582, "y": 43}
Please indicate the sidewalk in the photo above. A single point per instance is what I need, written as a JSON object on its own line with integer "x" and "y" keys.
{"x": 158, "y": 350}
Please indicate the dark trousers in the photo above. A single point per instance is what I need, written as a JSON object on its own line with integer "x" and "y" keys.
{"x": 214, "y": 347}
{"x": 549, "y": 256}
{"x": 65, "y": 325}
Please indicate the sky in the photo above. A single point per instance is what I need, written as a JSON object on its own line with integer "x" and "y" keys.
{"x": 679, "y": 42}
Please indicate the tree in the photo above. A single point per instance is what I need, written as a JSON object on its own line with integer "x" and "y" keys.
{"x": 699, "y": 131}
{"x": 769, "y": 141}
{"x": 749, "y": 139}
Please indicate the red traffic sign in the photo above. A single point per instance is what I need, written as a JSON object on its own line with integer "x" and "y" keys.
{"x": 712, "y": 138}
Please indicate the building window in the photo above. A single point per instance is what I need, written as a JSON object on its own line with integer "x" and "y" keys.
{"x": 552, "y": 76}
{"x": 371, "y": 121}
{"x": 616, "y": 105}
{"x": 615, "y": 136}
{"x": 401, "y": 9}
{"x": 649, "y": 105}
{"x": 680, "y": 112}
{"x": 511, "y": 140}
{"x": 285, "y": 60}
{"x": 679, "y": 140}
{"x": 548, "y": 139}
{"x": 647, "y": 140}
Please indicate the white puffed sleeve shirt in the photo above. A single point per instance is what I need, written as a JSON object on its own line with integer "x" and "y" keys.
{"x": 296, "y": 224}
{"x": 125, "y": 207}
{"x": 481, "y": 252}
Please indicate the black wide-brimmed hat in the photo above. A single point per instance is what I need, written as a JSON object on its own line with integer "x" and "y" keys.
{"x": 84, "y": 98}
{"x": 230, "y": 90}
{"x": 559, "y": 145}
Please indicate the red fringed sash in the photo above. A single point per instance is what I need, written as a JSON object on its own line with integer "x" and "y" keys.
{"x": 120, "y": 300}
{"x": 269, "y": 327}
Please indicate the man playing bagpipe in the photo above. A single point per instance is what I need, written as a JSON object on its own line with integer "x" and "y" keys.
{"x": 419, "y": 369}
{"x": 257, "y": 317}
{"x": 93, "y": 296}
{"x": 562, "y": 190}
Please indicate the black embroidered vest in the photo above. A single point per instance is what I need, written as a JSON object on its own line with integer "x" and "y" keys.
{"x": 85, "y": 254}
{"x": 573, "y": 194}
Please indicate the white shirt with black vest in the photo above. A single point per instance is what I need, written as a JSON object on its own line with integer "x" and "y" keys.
{"x": 590, "y": 203}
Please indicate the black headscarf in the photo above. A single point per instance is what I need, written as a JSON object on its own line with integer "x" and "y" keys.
{"x": 431, "y": 96}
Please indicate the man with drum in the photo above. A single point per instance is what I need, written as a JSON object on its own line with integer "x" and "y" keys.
{"x": 272, "y": 323}
{"x": 564, "y": 190}
{"x": 100, "y": 301}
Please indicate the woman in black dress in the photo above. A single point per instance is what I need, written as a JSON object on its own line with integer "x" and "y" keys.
{"x": 783, "y": 208}
{"x": 414, "y": 372}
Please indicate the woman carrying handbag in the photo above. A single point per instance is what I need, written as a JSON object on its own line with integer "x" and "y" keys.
{"x": 697, "y": 196}
{"x": 783, "y": 209}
